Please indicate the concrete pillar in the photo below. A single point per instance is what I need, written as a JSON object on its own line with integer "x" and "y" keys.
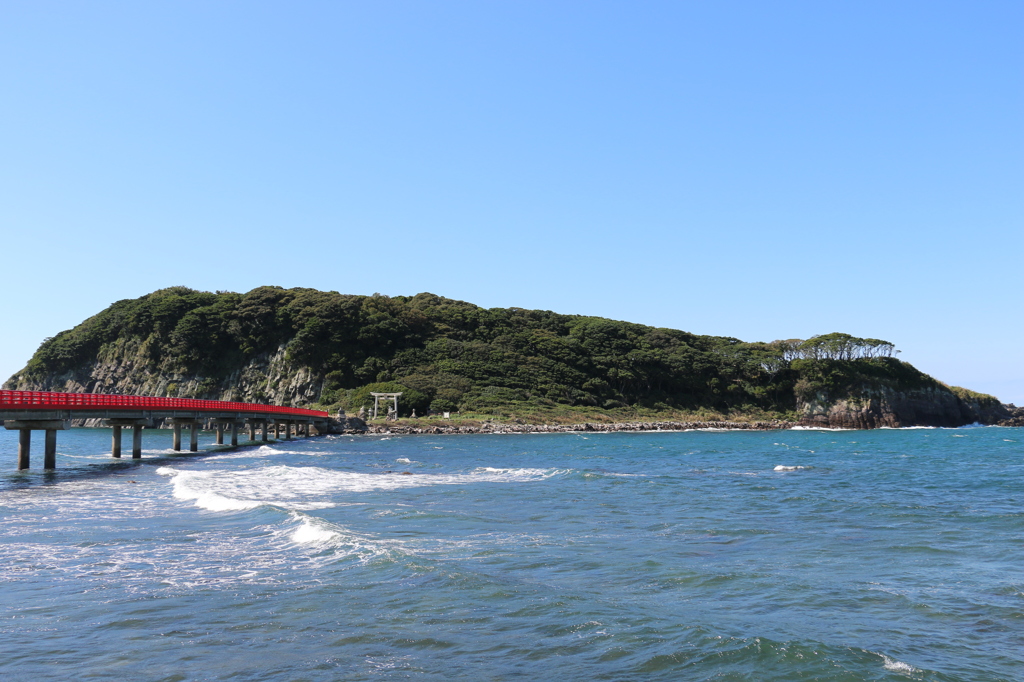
{"x": 50, "y": 450}
{"x": 277, "y": 430}
{"x": 115, "y": 441}
{"x": 288, "y": 430}
{"x": 252, "y": 429}
{"x": 137, "y": 441}
{"x": 25, "y": 428}
{"x": 266, "y": 429}
{"x": 193, "y": 442}
{"x": 234, "y": 433}
{"x": 219, "y": 428}
{"x": 24, "y": 447}
{"x": 177, "y": 437}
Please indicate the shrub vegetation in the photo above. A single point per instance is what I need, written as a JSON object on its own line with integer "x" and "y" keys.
{"x": 448, "y": 355}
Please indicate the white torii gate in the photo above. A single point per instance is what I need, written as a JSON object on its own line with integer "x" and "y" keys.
{"x": 378, "y": 396}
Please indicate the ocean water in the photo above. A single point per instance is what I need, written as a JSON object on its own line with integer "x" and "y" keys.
{"x": 785, "y": 555}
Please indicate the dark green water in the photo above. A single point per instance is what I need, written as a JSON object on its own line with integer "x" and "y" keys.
{"x": 890, "y": 555}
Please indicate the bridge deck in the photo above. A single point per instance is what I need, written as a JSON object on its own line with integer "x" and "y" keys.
{"x": 91, "y": 403}
{"x": 48, "y": 411}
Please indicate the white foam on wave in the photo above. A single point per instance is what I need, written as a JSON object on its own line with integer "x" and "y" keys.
{"x": 260, "y": 554}
{"x": 323, "y": 536}
{"x": 818, "y": 428}
{"x": 264, "y": 451}
{"x": 783, "y": 467}
{"x": 897, "y": 666}
{"x": 223, "y": 491}
{"x": 609, "y": 474}
{"x": 492, "y": 475}
{"x": 311, "y": 533}
{"x": 307, "y": 488}
{"x": 404, "y": 460}
{"x": 215, "y": 502}
{"x": 269, "y": 450}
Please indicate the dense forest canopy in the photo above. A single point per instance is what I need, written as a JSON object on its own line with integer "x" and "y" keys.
{"x": 448, "y": 354}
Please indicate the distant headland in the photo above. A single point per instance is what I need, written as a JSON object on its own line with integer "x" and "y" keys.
{"x": 498, "y": 369}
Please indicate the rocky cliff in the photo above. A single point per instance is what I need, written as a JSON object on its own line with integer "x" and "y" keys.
{"x": 870, "y": 407}
{"x": 123, "y": 368}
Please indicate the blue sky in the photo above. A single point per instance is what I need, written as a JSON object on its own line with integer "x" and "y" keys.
{"x": 759, "y": 169}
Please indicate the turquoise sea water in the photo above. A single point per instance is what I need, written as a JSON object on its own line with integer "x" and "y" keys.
{"x": 786, "y": 555}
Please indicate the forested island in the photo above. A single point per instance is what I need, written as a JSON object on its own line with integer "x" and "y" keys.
{"x": 327, "y": 350}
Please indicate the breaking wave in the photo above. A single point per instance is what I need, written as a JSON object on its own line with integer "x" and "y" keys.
{"x": 305, "y": 488}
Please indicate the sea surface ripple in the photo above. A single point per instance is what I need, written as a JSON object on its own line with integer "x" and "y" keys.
{"x": 784, "y": 555}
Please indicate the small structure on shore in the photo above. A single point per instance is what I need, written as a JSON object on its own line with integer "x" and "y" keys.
{"x": 386, "y": 396}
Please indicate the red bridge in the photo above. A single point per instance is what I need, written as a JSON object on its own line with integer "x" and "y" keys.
{"x": 28, "y": 411}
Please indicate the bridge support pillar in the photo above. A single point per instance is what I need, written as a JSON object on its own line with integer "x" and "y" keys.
{"x": 288, "y": 430}
{"x": 232, "y": 424}
{"x": 137, "y": 441}
{"x": 266, "y": 431}
{"x": 193, "y": 424}
{"x": 116, "y": 426}
{"x": 252, "y": 429}
{"x": 24, "y": 448}
{"x": 25, "y": 427}
{"x": 50, "y": 449}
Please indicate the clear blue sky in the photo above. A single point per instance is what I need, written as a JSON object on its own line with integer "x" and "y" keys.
{"x": 753, "y": 169}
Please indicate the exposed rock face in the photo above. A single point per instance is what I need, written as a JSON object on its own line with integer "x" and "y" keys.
{"x": 870, "y": 408}
{"x": 343, "y": 425}
{"x": 122, "y": 369}
{"x": 1016, "y": 417}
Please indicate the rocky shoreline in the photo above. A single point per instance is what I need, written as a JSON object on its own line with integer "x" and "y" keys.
{"x": 354, "y": 425}
{"x": 500, "y": 427}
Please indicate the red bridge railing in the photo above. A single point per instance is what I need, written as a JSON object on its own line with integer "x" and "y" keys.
{"x": 46, "y": 400}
